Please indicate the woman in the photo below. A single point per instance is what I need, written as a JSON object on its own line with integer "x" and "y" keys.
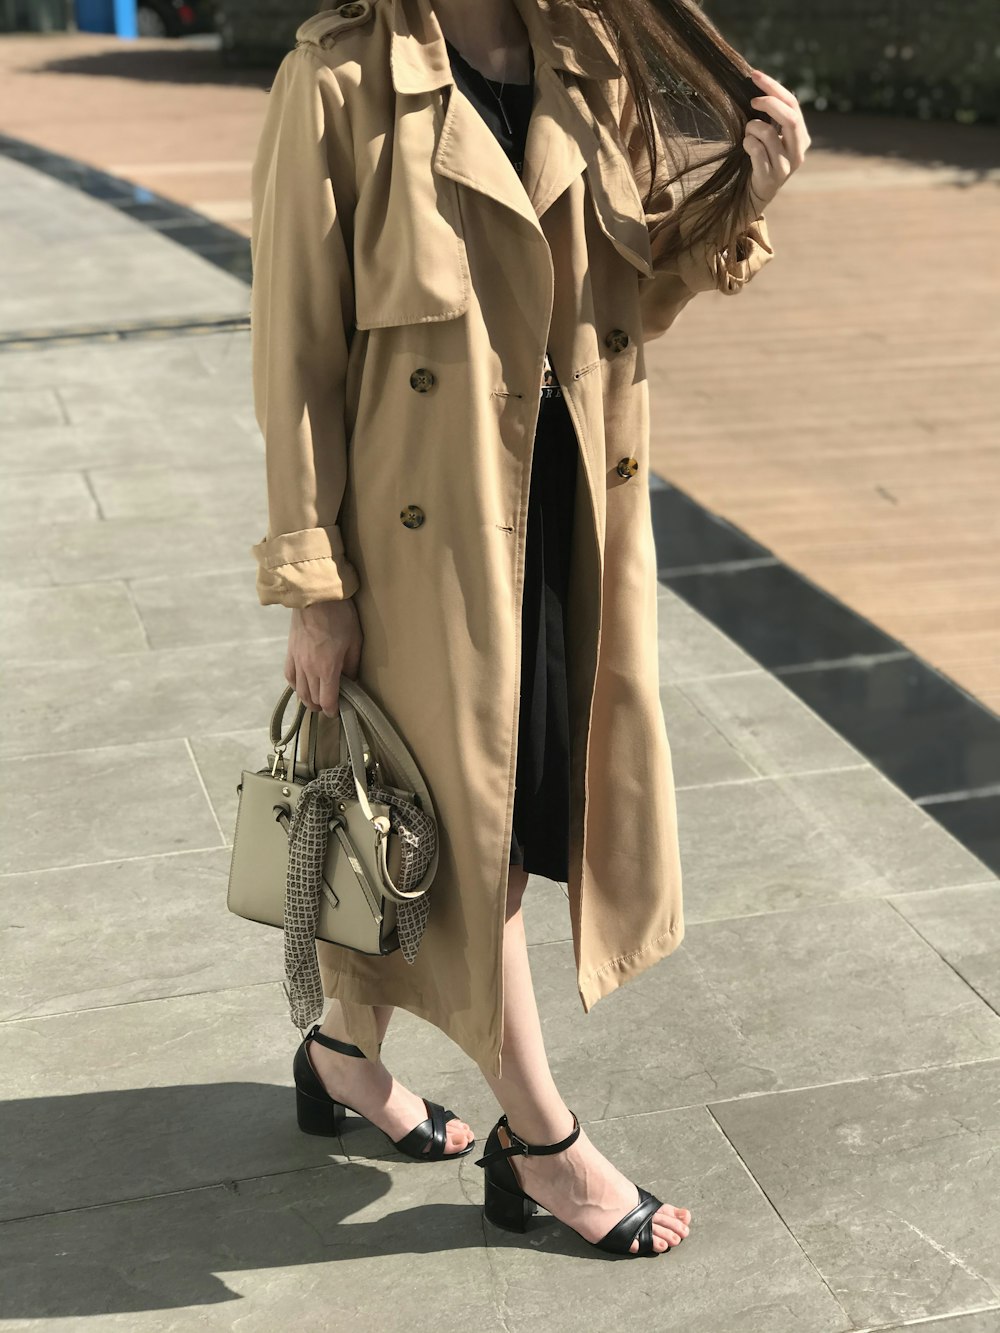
{"x": 475, "y": 550}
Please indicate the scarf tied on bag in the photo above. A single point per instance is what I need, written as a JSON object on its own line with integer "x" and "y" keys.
{"x": 308, "y": 835}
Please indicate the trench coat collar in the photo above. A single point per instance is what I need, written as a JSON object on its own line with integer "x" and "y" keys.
{"x": 559, "y": 34}
{"x": 565, "y": 137}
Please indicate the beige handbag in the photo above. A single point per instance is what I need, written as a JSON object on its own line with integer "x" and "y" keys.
{"x": 344, "y": 854}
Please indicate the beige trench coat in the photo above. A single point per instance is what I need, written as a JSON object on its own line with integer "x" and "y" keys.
{"x": 406, "y": 284}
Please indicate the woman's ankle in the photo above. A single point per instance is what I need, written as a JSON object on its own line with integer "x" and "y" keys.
{"x": 541, "y": 1126}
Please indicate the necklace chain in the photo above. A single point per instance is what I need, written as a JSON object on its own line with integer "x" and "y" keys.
{"x": 499, "y": 96}
{"x": 493, "y": 92}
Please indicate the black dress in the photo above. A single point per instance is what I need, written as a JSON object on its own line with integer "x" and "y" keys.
{"x": 540, "y": 836}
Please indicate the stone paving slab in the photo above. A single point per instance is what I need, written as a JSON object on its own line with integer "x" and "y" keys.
{"x": 773, "y": 844}
{"x": 963, "y": 925}
{"x": 172, "y": 693}
{"x": 112, "y": 949}
{"x": 157, "y": 491}
{"x": 986, "y": 1320}
{"x": 30, "y": 407}
{"x": 746, "y": 1274}
{"x": 312, "y": 1249}
{"x": 41, "y": 622}
{"x": 80, "y": 262}
{"x": 87, "y": 446}
{"x": 150, "y": 1097}
{"x": 204, "y": 608}
{"x": 691, "y": 648}
{"x": 890, "y": 1185}
{"x": 745, "y": 1006}
{"x": 79, "y": 549}
{"x": 89, "y": 806}
{"x": 771, "y": 730}
{"x": 123, "y": 366}
{"x": 33, "y": 500}
{"x": 351, "y": 1242}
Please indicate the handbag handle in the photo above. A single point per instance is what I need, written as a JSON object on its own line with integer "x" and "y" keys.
{"x": 357, "y": 750}
{"x": 279, "y": 742}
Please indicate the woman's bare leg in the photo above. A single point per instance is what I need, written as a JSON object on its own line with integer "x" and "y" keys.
{"x": 579, "y": 1186}
{"x": 369, "y": 1087}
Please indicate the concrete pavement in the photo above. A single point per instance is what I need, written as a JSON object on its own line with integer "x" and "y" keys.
{"x": 815, "y": 1072}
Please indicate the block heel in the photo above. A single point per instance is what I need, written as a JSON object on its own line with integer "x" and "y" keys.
{"x": 503, "y": 1209}
{"x": 316, "y": 1117}
{"x": 319, "y": 1113}
{"x": 506, "y": 1204}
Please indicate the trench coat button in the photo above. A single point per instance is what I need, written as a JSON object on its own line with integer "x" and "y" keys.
{"x": 354, "y": 9}
{"x": 617, "y": 340}
{"x": 422, "y": 379}
{"x": 412, "y": 516}
{"x": 628, "y": 467}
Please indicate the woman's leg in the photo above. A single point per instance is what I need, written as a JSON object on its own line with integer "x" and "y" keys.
{"x": 579, "y": 1186}
{"x": 369, "y": 1087}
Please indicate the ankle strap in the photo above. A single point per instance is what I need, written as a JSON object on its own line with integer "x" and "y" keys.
{"x": 344, "y": 1047}
{"x": 519, "y": 1145}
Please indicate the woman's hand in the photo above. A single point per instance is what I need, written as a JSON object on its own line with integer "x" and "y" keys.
{"x": 775, "y": 150}
{"x": 324, "y": 640}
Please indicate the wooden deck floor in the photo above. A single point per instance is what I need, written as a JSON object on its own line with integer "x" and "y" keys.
{"x": 843, "y": 408}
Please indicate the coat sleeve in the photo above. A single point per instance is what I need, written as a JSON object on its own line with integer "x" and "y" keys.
{"x": 690, "y": 269}
{"x": 301, "y": 317}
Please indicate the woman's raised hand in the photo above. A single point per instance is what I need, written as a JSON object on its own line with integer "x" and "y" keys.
{"x": 775, "y": 150}
{"x": 324, "y": 640}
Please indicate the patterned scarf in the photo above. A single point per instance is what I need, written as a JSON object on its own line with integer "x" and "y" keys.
{"x": 308, "y": 833}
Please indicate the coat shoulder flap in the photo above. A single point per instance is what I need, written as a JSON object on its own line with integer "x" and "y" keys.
{"x": 324, "y": 28}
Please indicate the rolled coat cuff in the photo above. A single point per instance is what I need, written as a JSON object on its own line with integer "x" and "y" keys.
{"x": 299, "y": 568}
{"x": 703, "y": 268}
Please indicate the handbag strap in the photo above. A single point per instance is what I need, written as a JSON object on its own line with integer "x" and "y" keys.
{"x": 380, "y": 823}
{"x": 352, "y": 701}
{"x": 279, "y": 742}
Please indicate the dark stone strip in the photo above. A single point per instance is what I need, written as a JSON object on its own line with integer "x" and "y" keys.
{"x": 928, "y": 735}
{"x": 220, "y": 245}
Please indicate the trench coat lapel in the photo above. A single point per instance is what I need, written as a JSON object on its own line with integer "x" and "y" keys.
{"x": 564, "y": 135}
{"x": 555, "y": 152}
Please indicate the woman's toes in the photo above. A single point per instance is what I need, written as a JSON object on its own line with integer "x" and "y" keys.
{"x": 667, "y": 1224}
{"x": 666, "y": 1232}
{"x": 659, "y": 1244}
{"x": 459, "y": 1135}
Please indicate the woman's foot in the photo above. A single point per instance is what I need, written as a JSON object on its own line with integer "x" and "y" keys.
{"x": 582, "y": 1188}
{"x": 372, "y": 1091}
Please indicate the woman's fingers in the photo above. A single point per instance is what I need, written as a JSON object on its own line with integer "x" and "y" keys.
{"x": 301, "y": 685}
{"x": 778, "y": 161}
{"x": 776, "y": 150}
{"x": 328, "y": 694}
{"x": 324, "y": 643}
{"x": 764, "y": 179}
{"x": 771, "y": 85}
{"x": 793, "y": 137}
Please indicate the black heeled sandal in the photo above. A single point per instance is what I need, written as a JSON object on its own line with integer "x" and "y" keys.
{"x": 319, "y": 1113}
{"x": 508, "y": 1206}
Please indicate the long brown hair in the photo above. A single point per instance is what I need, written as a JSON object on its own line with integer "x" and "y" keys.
{"x": 684, "y": 76}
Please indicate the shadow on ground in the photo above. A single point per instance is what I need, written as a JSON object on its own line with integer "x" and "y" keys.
{"x": 118, "y": 1235}
{"x": 183, "y": 64}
